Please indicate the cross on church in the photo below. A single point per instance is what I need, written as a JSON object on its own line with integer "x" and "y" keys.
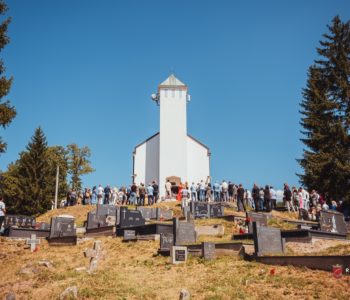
{"x": 94, "y": 255}
{"x": 33, "y": 241}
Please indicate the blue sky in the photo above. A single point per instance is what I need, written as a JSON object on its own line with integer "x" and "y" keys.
{"x": 84, "y": 71}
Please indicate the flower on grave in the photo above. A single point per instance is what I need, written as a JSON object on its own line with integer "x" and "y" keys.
{"x": 272, "y": 271}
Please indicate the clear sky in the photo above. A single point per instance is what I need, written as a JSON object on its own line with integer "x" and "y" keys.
{"x": 84, "y": 71}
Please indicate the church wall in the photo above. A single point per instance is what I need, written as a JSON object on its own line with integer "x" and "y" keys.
{"x": 197, "y": 162}
{"x": 146, "y": 161}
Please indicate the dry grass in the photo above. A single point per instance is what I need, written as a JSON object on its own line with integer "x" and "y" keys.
{"x": 134, "y": 271}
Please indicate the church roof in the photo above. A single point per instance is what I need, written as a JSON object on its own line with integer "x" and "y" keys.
{"x": 172, "y": 81}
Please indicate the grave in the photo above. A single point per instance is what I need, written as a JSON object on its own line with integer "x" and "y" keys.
{"x": 184, "y": 232}
{"x": 208, "y": 250}
{"x": 333, "y": 222}
{"x": 130, "y": 218}
{"x": 62, "y": 231}
{"x": 267, "y": 240}
{"x": 259, "y": 218}
{"x": 212, "y": 230}
{"x": 148, "y": 213}
{"x": 99, "y": 225}
{"x": 33, "y": 242}
{"x": 200, "y": 209}
{"x": 178, "y": 254}
{"x": 129, "y": 235}
{"x": 164, "y": 214}
{"x": 166, "y": 242}
{"x": 24, "y": 227}
{"x": 94, "y": 254}
{"x": 147, "y": 229}
{"x": 19, "y": 221}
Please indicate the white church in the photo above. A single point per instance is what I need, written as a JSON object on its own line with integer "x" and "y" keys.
{"x": 171, "y": 153}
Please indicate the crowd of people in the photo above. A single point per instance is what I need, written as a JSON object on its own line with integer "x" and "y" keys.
{"x": 259, "y": 198}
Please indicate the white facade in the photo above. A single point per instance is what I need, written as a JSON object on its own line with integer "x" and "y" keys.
{"x": 171, "y": 152}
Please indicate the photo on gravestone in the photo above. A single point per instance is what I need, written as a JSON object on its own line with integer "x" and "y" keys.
{"x": 259, "y": 218}
{"x": 332, "y": 222}
{"x": 130, "y": 218}
{"x": 166, "y": 241}
{"x": 19, "y": 221}
{"x": 267, "y": 240}
{"x": 62, "y": 227}
{"x": 208, "y": 250}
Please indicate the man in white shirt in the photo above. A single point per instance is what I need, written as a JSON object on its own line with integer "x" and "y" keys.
{"x": 2, "y": 211}
{"x": 225, "y": 190}
{"x": 168, "y": 189}
{"x": 306, "y": 198}
{"x": 273, "y": 197}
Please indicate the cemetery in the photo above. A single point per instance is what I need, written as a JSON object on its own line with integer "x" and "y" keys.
{"x": 133, "y": 243}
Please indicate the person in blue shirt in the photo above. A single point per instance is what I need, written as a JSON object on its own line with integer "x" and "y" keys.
{"x": 150, "y": 196}
{"x": 193, "y": 192}
{"x": 216, "y": 189}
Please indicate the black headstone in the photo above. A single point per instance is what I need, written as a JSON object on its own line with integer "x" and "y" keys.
{"x": 62, "y": 227}
{"x": 200, "y": 209}
{"x": 148, "y": 212}
{"x": 332, "y": 222}
{"x": 180, "y": 255}
{"x": 216, "y": 210}
{"x": 208, "y": 250}
{"x": 130, "y": 218}
{"x": 166, "y": 241}
{"x": 267, "y": 240}
{"x": 106, "y": 210}
{"x": 184, "y": 232}
{"x": 19, "y": 221}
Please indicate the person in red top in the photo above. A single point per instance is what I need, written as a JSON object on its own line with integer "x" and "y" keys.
{"x": 179, "y": 193}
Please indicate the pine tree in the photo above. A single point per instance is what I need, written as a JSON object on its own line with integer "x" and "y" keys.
{"x": 7, "y": 111}
{"x": 326, "y": 116}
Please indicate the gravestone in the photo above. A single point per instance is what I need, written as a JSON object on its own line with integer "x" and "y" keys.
{"x": 94, "y": 254}
{"x": 208, "y": 250}
{"x": 129, "y": 235}
{"x": 267, "y": 240}
{"x": 93, "y": 221}
{"x": 130, "y": 218}
{"x": 166, "y": 241}
{"x": 148, "y": 213}
{"x": 164, "y": 214}
{"x": 304, "y": 214}
{"x": 184, "y": 232}
{"x": 332, "y": 222}
{"x": 62, "y": 227}
{"x": 178, "y": 254}
{"x": 259, "y": 218}
{"x": 200, "y": 209}
{"x": 33, "y": 241}
{"x": 42, "y": 226}
{"x": 19, "y": 221}
{"x": 216, "y": 210}
{"x": 106, "y": 210}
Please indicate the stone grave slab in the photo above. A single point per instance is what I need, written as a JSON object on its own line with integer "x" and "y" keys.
{"x": 129, "y": 235}
{"x": 332, "y": 222}
{"x": 148, "y": 213}
{"x": 166, "y": 241}
{"x": 178, "y": 254}
{"x": 212, "y": 230}
{"x": 208, "y": 250}
{"x": 62, "y": 227}
{"x": 164, "y": 214}
{"x": 19, "y": 221}
{"x": 184, "y": 232}
{"x": 106, "y": 210}
{"x": 267, "y": 240}
{"x": 130, "y": 218}
{"x": 259, "y": 218}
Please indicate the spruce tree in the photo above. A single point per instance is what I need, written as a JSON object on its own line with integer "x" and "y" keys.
{"x": 326, "y": 116}
{"x": 7, "y": 111}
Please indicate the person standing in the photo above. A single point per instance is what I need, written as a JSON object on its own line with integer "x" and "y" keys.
{"x": 202, "y": 191}
{"x": 150, "y": 196}
{"x": 133, "y": 194}
{"x": 273, "y": 196}
{"x": 287, "y": 195}
{"x": 142, "y": 193}
{"x": 107, "y": 192}
{"x": 155, "y": 191}
{"x": 216, "y": 188}
{"x": 225, "y": 190}
{"x": 255, "y": 195}
{"x": 2, "y": 211}
{"x": 94, "y": 195}
{"x": 168, "y": 189}
{"x": 193, "y": 192}
{"x": 100, "y": 194}
{"x": 267, "y": 198}
{"x": 240, "y": 198}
